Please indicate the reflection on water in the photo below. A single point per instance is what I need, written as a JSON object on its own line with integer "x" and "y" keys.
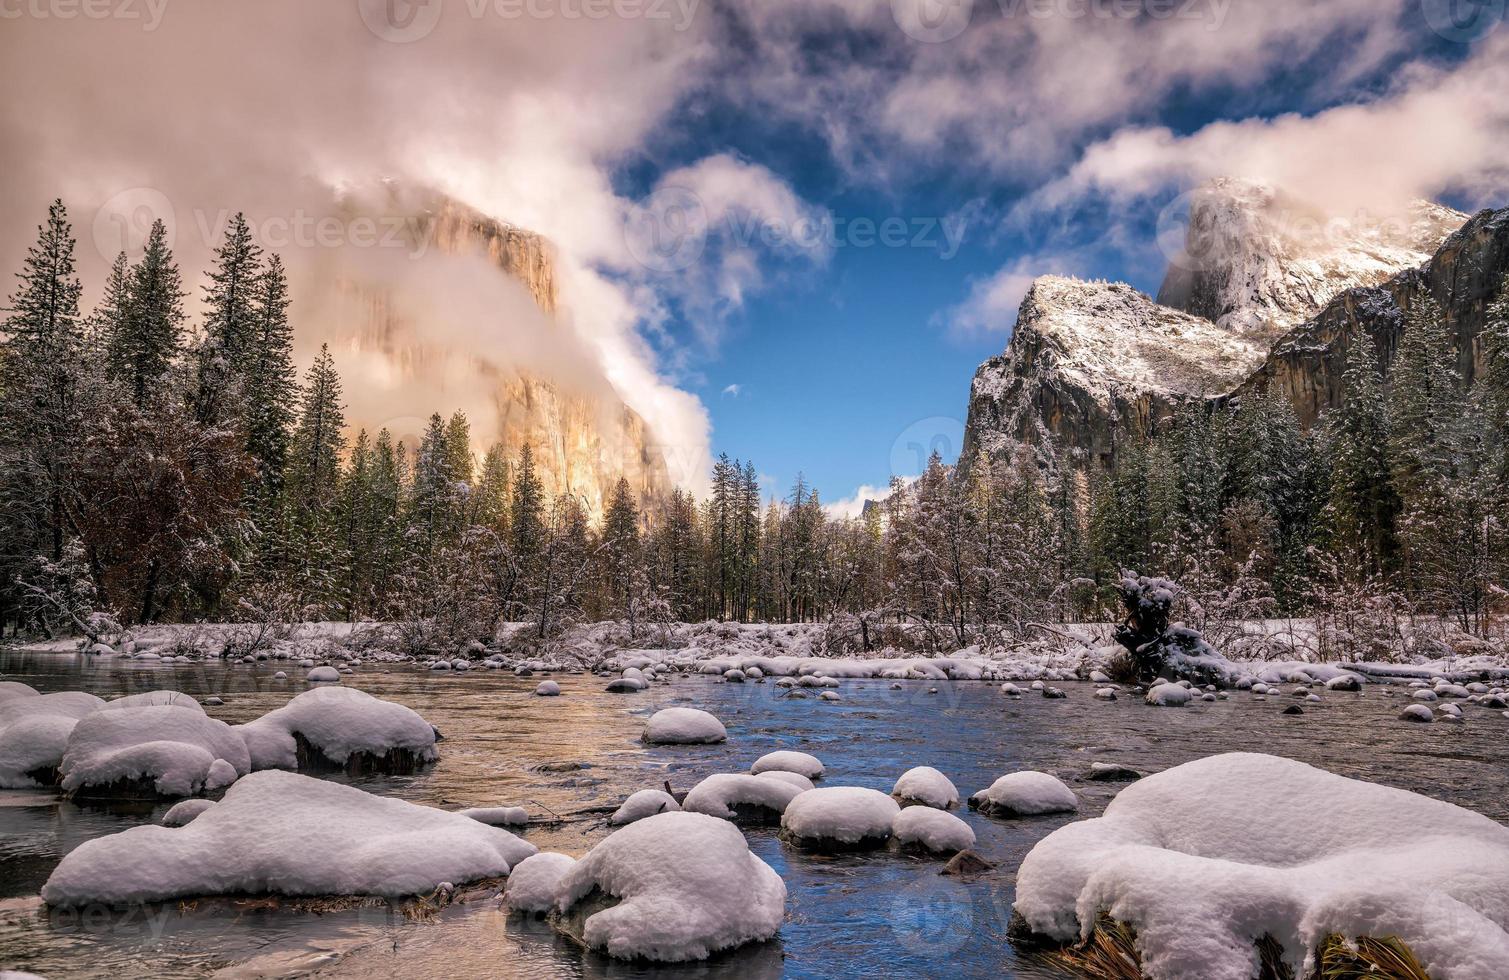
{"x": 571, "y": 756}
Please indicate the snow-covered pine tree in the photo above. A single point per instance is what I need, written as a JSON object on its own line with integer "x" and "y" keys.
{"x": 230, "y": 323}
{"x": 271, "y": 381}
{"x": 312, "y": 481}
{"x": 152, "y": 335}
{"x": 1362, "y": 502}
{"x": 41, "y": 353}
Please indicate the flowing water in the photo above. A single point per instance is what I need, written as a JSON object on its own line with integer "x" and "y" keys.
{"x": 878, "y": 913}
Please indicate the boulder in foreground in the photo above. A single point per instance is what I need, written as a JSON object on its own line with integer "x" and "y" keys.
{"x": 281, "y": 833}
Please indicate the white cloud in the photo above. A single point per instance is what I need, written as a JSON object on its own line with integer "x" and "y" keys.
{"x": 733, "y": 390}
{"x": 854, "y": 505}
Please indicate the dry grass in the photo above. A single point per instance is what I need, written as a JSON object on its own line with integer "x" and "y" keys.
{"x": 1368, "y": 959}
{"x": 1111, "y": 954}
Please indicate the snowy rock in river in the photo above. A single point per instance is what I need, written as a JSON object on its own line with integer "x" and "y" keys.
{"x": 534, "y": 884}
{"x": 789, "y": 778}
{"x": 320, "y": 675}
{"x": 548, "y": 689}
{"x": 165, "y": 750}
{"x": 497, "y": 816}
{"x": 1025, "y": 794}
{"x": 925, "y": 786}
{"x": 1202, "y": 859}
{"x": 279, "y": 832}
{"x": 1168, "y": 696}
{"x": 1417, "y": 712}
{"x": 673, "y": 887}
{"x": 839, "y": 818}
{"x": 735, "y": 796}
{"x": 684, "y": 726}
{"x": 644, "y": 803}
{"x": 183, "y": 811}
{"x": 931, "y": 830}
{"x": 343, "y": 728}
{"x": 34, "y": 732}
{"x": 788, "y": 761}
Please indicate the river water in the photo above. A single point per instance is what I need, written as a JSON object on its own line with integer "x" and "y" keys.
{"x": 879, "y": 913}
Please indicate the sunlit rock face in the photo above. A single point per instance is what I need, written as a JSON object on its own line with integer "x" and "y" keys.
{"x": 464, "y": 314}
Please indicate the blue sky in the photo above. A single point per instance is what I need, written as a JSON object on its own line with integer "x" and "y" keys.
{"x": 835, "y": 369}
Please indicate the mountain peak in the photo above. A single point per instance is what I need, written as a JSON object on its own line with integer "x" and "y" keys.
{"x": 1258, "y": 261}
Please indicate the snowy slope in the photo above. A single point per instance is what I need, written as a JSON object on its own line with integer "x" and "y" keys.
{"x": 1258, "y": 262}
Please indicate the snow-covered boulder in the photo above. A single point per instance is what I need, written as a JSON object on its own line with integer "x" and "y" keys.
{"x": 34, "y": 732}
{"x": 1203, "y": 859}
{"x": 925, "y": 786}
{"x": 497, "y": 816}
{"x": 789, "y": 778}
{"x": 643, "y": 803}
{"x": 684, "y": 726}
{"x": 839, "y": 817}
{"x": 10, "y": 690}
{"x": 534, "y": 884}
{"x": 340, "y": 728}
{"x": 1168, "y": 696}
{"x": 735, "y": 796}
{"x": 548, "y": 689}
{"x": 183, "y": 811}
{"x": 1417, "y": 713}
{"x": 323, "y": 675}
{"x": 280, "y": 832}
{"x": 787, "y": 761}
{"x": 673, "y": 887}
{"x": 1025, "y": 794}
{"x": 925, "y": 828}
{"x": 166, "y": 750}
{"x": 149, "y": 699}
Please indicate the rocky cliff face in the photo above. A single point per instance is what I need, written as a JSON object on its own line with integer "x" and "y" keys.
{"x": 1257, "y": 262}
{"x": 583, "y": 435}
{"x": 1093, "y": 364}
{"x": 1464, "y": 276}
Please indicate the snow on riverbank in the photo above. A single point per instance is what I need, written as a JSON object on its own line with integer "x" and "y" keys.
{"x": 282, "y": 833}
{"x": 1273, "y": 651}
{"x": 1204, "y": 859}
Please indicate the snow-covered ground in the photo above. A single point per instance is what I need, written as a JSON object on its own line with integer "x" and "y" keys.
{"x": 1273, "y": 651}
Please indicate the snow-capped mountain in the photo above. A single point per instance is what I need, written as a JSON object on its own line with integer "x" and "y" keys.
{"x": 1091, "y": 361}
{"x": 1263, "y": 292}
{"x": 1259, "y": 262}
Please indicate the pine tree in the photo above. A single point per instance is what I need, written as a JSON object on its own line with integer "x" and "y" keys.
{"x": 271, "y": 386}
{"x": 1363, "y": 503}
{"x": 230, "y": 326}
{"x": 313, "y": 480}
{"x": 40, "y": 367}
{"x": 152, "y": 336}
{"x": 527, "y": 518}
